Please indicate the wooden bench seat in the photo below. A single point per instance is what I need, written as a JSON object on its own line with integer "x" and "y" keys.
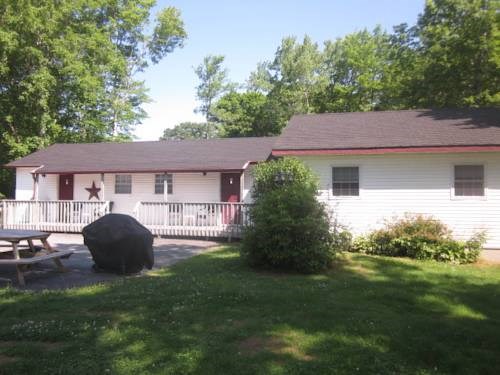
{"x": 37, "y": 258}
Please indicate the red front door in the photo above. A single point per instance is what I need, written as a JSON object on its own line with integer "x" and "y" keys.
{"x": 230, "y": 187}
{"x": 230, "y": 192}
{"x": 66, "y": 187}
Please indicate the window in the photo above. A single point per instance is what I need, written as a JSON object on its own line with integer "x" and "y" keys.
{"x": 159, "y": 186}
{"x": 345, "y": 181}
{"x": 123, "y": 184}
{"x": 469, "y": 180}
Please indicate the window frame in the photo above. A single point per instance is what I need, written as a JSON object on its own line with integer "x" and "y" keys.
{"x": 453, "y": 196}
{"x": 170, "y": 185}
{"x": 117, "y": 184}
{"x": 330, "y": 190}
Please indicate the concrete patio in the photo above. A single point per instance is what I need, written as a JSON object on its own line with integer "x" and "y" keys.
{"x": 79, "y": 265}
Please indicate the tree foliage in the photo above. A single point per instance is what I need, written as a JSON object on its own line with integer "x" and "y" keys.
{"x": 290, "y": 229}
{"x": 67, "y": 69}
{"x": 214, "y": 82}
{"x": 450, "y": 58}
{"x": 242, "y": 115}
{"x": 191, "y": 130}
{"x": 460, "y": 56}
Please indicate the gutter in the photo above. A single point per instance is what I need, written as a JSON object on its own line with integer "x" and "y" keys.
{"x": 386, "y": 150}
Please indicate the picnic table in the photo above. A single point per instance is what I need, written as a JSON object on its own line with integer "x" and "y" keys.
{"x": 14, "y": 237}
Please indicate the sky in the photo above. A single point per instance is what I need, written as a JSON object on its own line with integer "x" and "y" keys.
{"x": 247, "y": 32}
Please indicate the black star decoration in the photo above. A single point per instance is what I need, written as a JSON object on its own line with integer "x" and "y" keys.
{"x": 93, "y": 191}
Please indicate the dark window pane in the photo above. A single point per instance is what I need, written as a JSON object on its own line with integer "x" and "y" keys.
{"x": 345, "y": 181}
{"x": 469, "y": 172}
{"x": 469, "y": 180}
{"x": 159, "y": 186}
{"x": 123, "y": 184}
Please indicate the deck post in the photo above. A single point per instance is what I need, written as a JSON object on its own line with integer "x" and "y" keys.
{"x": 103, "y": 198}
{"x": 165, "y": 187}
{"x": 4, "y": 214}
{"x": 35, "y": 186}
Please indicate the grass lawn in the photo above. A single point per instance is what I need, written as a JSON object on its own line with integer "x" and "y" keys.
{"x": 213, "y": 315}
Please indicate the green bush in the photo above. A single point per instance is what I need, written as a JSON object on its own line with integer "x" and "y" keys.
{"x": 290, "y": 229}
{"x": 420, "y": 237}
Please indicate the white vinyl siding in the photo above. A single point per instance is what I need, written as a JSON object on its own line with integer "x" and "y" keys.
{"x": 394, "y": 184}
{"x": 48, "y": 185}
{"x": 24, "y": 184}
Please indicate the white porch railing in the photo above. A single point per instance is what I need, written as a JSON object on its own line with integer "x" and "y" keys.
{"x": 53, "y": 216}
{"x": 193, "y": 219}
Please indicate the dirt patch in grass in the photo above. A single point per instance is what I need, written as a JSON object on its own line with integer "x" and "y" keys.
{"x": 360, "y": 269}
{"x": 486, "y": 263}
{"x": 5, "y": 360}
{"x": 45, "y": 345}
{"x": 256, "y": 344}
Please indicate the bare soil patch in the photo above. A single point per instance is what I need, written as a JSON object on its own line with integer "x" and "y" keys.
{"x": 255, "y": 344}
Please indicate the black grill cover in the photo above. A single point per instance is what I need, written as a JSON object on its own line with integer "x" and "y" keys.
{"x": 119, "y": 243}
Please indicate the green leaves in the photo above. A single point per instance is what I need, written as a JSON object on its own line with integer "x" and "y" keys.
{"x": 191, "y": 130}
{"x": 290, "y": 229}
{"x": 168, "y": 34}
{"x": 451, "y": 58}
{"x": 213, "y": 83}
{"x": 67, "y": 70}
{"x": 459, "y": 53}
{"x": 242, "y": 115}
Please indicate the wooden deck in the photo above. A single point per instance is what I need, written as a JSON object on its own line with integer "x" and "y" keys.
{"x": 189, "y": 219}
{"x": 51, "y": 216}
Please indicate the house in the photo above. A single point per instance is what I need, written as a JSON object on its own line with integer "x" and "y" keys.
{"x": 372, "y": 166}
{"x": 190, "y": 180}
{"x": 376, "y": 165}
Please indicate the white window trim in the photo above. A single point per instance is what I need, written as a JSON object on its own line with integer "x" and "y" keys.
{"x": 345, "y": 197}
{"x": 454, "y": 197}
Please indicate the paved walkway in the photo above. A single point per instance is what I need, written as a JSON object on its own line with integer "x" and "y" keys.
{"x": 45, "y": 276}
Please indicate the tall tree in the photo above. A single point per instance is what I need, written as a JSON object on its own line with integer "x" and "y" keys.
{"x": 190, "y": 130}
{"x": 67, "y": 70}
{"x": 355, "y": 67}
{"x": 290, "y": 82}
{"x": 460, "y": 53}
{"x": 214, "y": 82}
{"x": 296, "y": 72}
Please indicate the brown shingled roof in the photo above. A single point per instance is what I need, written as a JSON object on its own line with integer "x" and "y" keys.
{"x": 392, "y": 129}
{"x": 183, "y": 156}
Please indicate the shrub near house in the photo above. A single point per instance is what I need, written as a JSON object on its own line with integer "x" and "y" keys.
{"x": 420, "y": 237}
{"x": 290, "y": 229}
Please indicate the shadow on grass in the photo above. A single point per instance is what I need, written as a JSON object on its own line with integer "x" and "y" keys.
{"x": 212, "y": 314}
